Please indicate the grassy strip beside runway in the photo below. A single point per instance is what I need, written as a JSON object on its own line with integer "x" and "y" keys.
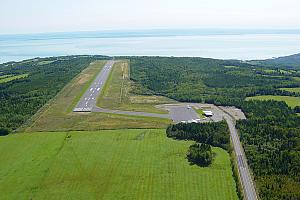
{"x": 57, "y": 115}
{"x": 117, "y": 93}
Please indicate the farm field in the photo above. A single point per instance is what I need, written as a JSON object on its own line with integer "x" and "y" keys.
{"x": 108, "y": 164}
{"x": 231, "y": 67}
{"x": 117, "y": 93}
{"x": 57, "y": 114}
{"x": 296, "y": 79}
{"x": 8, "y": 78}
{"x": 297, "y": 90}
{"x": 290, "y": 101}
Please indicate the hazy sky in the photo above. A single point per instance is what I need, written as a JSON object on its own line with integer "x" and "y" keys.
{"x": 25, "y": 16}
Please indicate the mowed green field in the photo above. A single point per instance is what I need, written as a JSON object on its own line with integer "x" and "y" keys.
{"x": 108, "y": 164}
{"x": 297, "y": 90}
{"x": 8, "y": 78}
{"x": 290, "y": 101}
{"x": 296, "y": 79}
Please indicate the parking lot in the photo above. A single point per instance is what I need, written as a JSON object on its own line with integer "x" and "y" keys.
{"x": 186, "y": 112}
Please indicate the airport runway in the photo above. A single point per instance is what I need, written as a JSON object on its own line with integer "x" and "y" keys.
{"x": 89, "y": 99}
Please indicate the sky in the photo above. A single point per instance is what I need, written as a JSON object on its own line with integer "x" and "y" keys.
{"x": 38, "y": 16}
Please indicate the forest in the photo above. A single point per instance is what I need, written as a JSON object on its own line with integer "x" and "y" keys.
{"x": 205, "y": 80}
{"x": 22, "y": 98}
{"x": 215, "y": 134}
{"x": 271, "y": 133}
{"x": 271, "y": 139}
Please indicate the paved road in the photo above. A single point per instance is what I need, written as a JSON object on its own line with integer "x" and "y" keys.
{"x": 89, "y": 99}
{"x": 243, "y": 168}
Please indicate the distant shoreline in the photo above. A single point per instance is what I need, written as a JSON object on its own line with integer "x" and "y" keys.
{"x": 240, "y": 44}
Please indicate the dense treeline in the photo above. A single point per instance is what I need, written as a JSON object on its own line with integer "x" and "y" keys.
{"x": 20, "y": 99}
{"x": 271, "y": 139}
{"x": 215, "y": 134}
{"x": 297, "y": 109}
{"x": 204, "y": 80}
{"x": 200, "y": 154}
{"x": 288, "y": 62}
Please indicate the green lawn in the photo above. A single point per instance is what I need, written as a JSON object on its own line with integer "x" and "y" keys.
{"x": 8, "y": 78}
{"x": 117, "y": 93}
{"x": 231, "y": 67}
{"x": 297, "y": 90}
{"x": 57, "y": 114}
{"x": 269, "y": 70}
{"x": 200, "y": 112}
{"x": 291, "y": 101}
{"x": 119, "y": 164}
{"x": 5, "y": 76}
{"x": 284, "y": 71}
{"x": 296, "y": 79}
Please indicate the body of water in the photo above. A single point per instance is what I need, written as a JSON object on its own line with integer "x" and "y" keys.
{"x": 223, "y": 44}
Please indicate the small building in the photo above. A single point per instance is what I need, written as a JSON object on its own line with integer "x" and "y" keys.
{"x": 208, "y": 113}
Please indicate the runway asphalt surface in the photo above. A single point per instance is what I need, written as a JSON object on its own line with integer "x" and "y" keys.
{"x": 177, "y": 113}
{"x": 89, "y": 99}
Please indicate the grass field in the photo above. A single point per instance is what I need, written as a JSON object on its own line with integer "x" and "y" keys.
{"x": 8, "y": 78}
{"x": 297, "y": 90}
{"x": 231, "y": 67}
{"x": 57, "y": 115}
{"x": 200, "y": 112}
{"x": 5, "y": 76}
{"x": 284, "y": 71}
{"x": 290, "y": 101}
{"x": 119, "y": 164}
{"x": 116, "y": 93}
{"x": 296, "y": 79}
{"x": 269, "y": 70}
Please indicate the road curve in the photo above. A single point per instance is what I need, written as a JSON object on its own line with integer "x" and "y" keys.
{"x": 243, "y": 168}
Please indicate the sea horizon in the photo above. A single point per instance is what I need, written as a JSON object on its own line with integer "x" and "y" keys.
{"x": 242, "y": 44}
